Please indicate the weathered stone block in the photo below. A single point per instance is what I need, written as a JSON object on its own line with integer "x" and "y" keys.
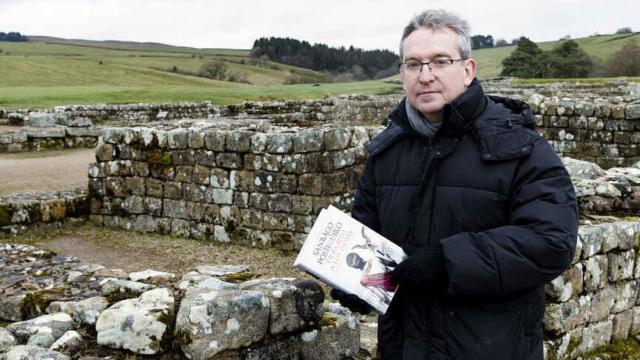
{"x": 279, "y": 202}
{"x": 205, "y": 157}
{"x": 135, "y": 185}
{"x": 319, "y": 162}
{"x": 139, "y": 168}
{"x": 181, "y": 228}
{"x": 139, "y": 325}
{"x": 340, "y": 339}
{"x": 270, "y": 182}
{"x": 310, "y": 184}
{"x": 178, "y": 139}
{"x": 560, "y": 318}
{"x": 154, "y": 187}
{"x": 308, "y": 140}
{"x": 133, "y": 205}
{"x": 625, "y": 295}
{"x": 592, "y": 237}
{"x": 219, "y": 178}
{"x": 192, "y": 192}
{"x": 183, "y": 157}
{"x": 40, "y": 119}
{"x": 635, "y": 320}
{"x": 241, "y": 199}
{"x": 601, "y": 304}
{"x": 258, "y": 143}
{"x": 241, "y": 181}
{"x": 301, "y": 204}
{"x": 596, "y": 335}
{"x": 337, "y": 139}
{"x": 294, "y": 304}
{"x": 621, "y": 265}
{"x": 229, "y": 160}
{"x": 251, "y": 218}
{"x": 56, "y": 324}
{"x": 239, "y": 140}
{"x": 279, "y": 143}
{"x": 621, "y": 325}
{"x": 566, "y": 285}
{"x": 115, "y": 187}
{"x": 595, "y": 273}
{"x": 21, "y": 352}
{"x": 84, "y": 311}
{"x": 219, "y": 196}
{"x": 196, "y": 139}
{"x": 173, "y": 190}
{"x": 105, "y": 152}
{"x": 201, "y": 175}
{"x": 334, "y": 183}
{"x": 214, "y": 140}
{"x": 174, "y": 209}
{"x": 212, "y": 321}
{"x": 145, "y": 223}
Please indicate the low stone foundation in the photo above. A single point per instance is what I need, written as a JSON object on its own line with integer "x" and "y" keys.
{"x": 62, "y": 308}
{"x": 48, "y": 138}
{"x": 20, "y": 212}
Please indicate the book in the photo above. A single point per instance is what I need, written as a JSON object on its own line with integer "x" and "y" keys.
{"x": 351, "y": 257}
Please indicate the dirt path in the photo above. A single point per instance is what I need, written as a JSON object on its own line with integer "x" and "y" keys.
{"x": 44, "y": 171}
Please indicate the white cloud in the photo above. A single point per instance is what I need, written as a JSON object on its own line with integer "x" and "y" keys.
{"x": 366, "y": 24}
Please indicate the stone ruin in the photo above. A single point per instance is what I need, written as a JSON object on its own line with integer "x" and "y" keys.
{"x": 258, "y": 174}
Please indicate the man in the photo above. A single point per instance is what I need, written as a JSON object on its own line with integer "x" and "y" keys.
{"x": 479, "y": 201}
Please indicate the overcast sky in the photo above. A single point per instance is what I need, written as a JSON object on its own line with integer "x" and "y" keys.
{"x": 368, "y": 24}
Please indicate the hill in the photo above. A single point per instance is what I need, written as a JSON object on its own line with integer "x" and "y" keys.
{"x": 50, "y": 71}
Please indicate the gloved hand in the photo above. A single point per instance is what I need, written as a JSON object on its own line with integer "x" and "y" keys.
{"x": 423, "y": 269}
{"x": 351, "y": 302}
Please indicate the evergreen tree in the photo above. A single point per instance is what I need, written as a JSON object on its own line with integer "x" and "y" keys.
{"x": 523, "y": 62}
{"x": 566, "y": 61}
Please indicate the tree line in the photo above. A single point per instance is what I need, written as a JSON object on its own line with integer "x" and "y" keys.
{"x": 12, "y": 36}
{"x": 361, "y": 64}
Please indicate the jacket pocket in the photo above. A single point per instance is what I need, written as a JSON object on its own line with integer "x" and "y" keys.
{"x": 478, "y": 334}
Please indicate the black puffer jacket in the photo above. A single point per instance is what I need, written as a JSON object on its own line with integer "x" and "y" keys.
{"x": 498, "y": 199}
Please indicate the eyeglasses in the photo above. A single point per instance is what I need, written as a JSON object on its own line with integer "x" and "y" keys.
{"x": 436, "y": 66}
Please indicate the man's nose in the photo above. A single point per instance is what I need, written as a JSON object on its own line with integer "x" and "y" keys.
{"x": 426, "y": 75}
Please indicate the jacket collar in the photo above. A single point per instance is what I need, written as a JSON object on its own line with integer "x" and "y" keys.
{"x": 497, "y": 123}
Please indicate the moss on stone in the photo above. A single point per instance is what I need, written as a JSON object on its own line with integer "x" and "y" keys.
{"x": 5, "y": 215}
{"x": 328, "y": 320}
{"x": 159, "y": 158}
{"x": 240, "y": 277}
{"x": 620, "y": 350}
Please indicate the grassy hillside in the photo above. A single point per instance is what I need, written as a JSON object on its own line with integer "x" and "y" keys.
{"x": 601, "y": 47}
{"x": 49, "y": 71}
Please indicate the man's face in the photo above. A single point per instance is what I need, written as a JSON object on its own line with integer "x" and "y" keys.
{"x": 429, "y": 92}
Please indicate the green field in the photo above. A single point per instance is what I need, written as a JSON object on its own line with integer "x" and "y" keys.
{"x": 48, "y": 71}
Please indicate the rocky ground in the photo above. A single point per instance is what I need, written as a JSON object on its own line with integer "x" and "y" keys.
{"x": 67, "y": 294}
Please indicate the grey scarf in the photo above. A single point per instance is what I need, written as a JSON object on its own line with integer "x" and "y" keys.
{"x": 419, "y": 123}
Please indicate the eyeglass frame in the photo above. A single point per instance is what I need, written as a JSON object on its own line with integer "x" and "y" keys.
{"x": 428, "y": 63}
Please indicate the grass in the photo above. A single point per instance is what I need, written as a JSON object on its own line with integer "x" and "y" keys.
{"x": 43, "y": 97}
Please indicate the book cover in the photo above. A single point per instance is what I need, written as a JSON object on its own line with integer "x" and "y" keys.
{"x": 349, "y": 256}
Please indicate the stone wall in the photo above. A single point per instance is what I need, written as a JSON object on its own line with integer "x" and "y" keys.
{"x": 596, "y": 301}
{"x": 20, "y": 212}
{"x": 48, "y": 138}
{"x": 59, "y": 307}
{"x": 242, "y": 185}
{"x": 599, "y": 123}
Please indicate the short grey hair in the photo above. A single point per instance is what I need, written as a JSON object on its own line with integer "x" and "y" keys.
{"x": 441, "y": 19}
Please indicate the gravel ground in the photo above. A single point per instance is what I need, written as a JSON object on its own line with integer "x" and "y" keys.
{"x": 44, "y": 171}
{"x": 132, "y": 251}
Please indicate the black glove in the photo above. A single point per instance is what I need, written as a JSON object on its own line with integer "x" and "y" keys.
{"x": 424, "y": 269}
{"x": 351, "y": 302}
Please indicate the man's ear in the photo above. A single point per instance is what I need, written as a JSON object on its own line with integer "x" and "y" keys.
{"x": 469, "y": 71}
